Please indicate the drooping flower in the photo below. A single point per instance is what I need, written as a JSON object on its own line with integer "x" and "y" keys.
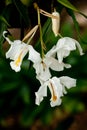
{"x": 16, "y": 53}
{"x": 64, "y": 46}
{"x": 57, "y": 89}
{"x": 42, "y": 65}
{"x": 19, "y": 49}
{"x": 56, "y": 23}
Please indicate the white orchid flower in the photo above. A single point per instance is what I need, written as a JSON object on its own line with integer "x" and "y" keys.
{"x": 56, "y": 23}
{"x": 42, "y": 65}
{"x": 17, "y": 52}
{"x": 57, "y": 89}
{"x": 19, "y": 49}
{"x": 64, "y": 46}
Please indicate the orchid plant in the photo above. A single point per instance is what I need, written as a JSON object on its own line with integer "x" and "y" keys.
{"x": 44, "y": 62}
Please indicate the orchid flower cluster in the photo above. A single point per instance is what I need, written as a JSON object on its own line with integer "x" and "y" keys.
{"x": 43, "y": 63}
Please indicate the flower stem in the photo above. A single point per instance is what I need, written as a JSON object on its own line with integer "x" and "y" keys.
{"x": 39, "y": 24}
{"x": 60, "y": 35}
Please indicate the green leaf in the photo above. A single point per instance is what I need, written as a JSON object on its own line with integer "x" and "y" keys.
{"x": 71, "y": 13}
{"x": 23, "y": 10}
{"x": 71, "y": 103}
{"x": 4, "y": 20}
{"x": 76, "y": 24}
{"x": 25, "y": 94}
{"x": 67, "y": 4}
{"x": 48, "y": 35}
{"x": 67, "y": 30}
{"x": 5, "y": 87}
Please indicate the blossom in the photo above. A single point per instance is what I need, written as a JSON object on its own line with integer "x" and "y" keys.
{"x": 56, "y": 23}
{"x": 17, "y": 52}
{"x": 42, "y": 65}
{"x": 57, "y": 89}
{"x": 64, "y": 46}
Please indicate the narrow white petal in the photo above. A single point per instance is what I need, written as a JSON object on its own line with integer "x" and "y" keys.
{"x": 34, "y": 56}
{"x": 8, "y": 40}
{"x": 40, "y": 80}
{"x": 51, "y": 52}
{"x": 38, "y": 99}
{"x": 64, "y": 90}
{"x": 42, "y": 92}
{"x": 79, "y": 47}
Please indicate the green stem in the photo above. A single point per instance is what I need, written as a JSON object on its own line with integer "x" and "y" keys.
{"x": 60, "y": 35}
{"x": 41, "y": 39}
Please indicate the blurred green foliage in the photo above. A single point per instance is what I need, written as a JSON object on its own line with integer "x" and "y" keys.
{"x": 17, "y": 90}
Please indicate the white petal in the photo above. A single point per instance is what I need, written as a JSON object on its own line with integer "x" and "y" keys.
{"x": 57, "y": 84}
{"x": 42, "y": 92}
{"x": 16, "y": 53}
{"x": 56, "y": 23}
{"x": 56, "y": 66}
{"x": 45, "y": 75}
{"x": 64, "y": 90}
{"x": 61, "y": 53}
{"x": 40, "y": 80}
{"x": 14, "y": 67}
{"x": 9, "y": 41}
{"x": 56, "y": 91}
{"x": 67, "y": 65}
{"x": 56, "y": 103}
{"x": 79, "y": 47}
{"x": 42, "y": 71}
{"x": 66, "y": 43}
{"x": 47, "y": 61}
{"x": 34, "y": 56}
{"x": 64, "y": 46}
{"x": 15, "y": 49}
{"x": 38, "y": 99}
{"x": 67, "y": 81}
{"x": 51, "y": 52}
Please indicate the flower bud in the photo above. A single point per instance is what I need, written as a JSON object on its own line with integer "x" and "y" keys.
{"x": 56, "y": 23}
